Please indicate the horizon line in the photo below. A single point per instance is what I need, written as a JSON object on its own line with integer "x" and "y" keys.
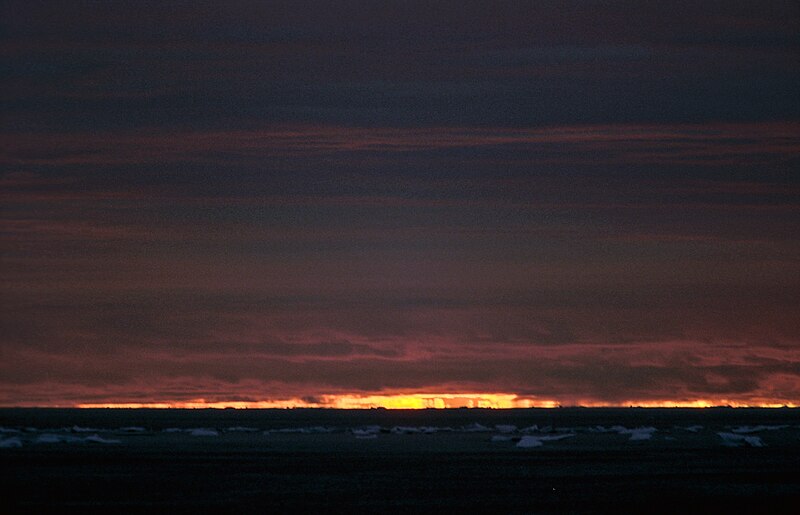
{"x": 418, "y": 401}
{"x": 159, "y": 406}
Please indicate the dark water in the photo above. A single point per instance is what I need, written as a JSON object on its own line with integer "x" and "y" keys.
{"x": 376, "y": 461}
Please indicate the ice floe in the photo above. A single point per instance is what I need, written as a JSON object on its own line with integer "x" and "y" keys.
{"x": 302, "y": 430}
{"x": 78, "y": 429}
{"x": 100, "y": 439}
{"x": 65, "y": 438}
{"x": 757, "y": 429}
{"x": 404, "y": 430}
{"x": 636, "y": 434}
{"x": 529, "y": 441}
{"x": 640, "y": 433}
{"x": 366, "y": 432}
{"x": 202, "y": 431}
{"x": 316, "y": 430}
{"x": 53, "y": 438}
{"x": 49, "y": 438}
{"x": 10, "y": 443}
{"x": 737, "y": 440}
{"x": 241, "y": 429}
{"x": 193, "y": 431}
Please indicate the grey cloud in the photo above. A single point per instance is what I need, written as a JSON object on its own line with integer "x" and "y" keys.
{"x": 562, "y": 54}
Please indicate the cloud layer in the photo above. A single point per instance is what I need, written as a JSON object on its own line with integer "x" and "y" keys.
{"x": 253, "y": 202}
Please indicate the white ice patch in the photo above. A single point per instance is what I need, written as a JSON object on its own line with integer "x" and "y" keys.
{"x": 737, "y": 440}
{"x": 757, "y": 429}
{"x": 405, "y": 430}
{"x": 100, "y": 439}
{"x": 7, "y": 430}
{"x": 693, "y": 429}
{"x": 48, "y": 438}
{"x": 530, "y": 429}
{"x": 78, "y": 429}
{"x": 176, "y": 430}
{"x": 10, "y": 443}
{"x": 555, "y": 437}
{"x": 51, "y": 438}
{"x": 302, "y": 430}
{"x": 603, "y": 429}
{"x": 636, "y": 434}
{"x": 639, "y": 433}
{"x": 366, "y": 432}
{"x": 201, "y": 431}
{"x": 529, "y": 441}
{"x": 132, "y": 429}
{"x": 241, "y": 429}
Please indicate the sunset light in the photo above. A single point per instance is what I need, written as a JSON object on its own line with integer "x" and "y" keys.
{"x": 399, "y": 401}
{"x": 313, "y": 256}
{"x": 433, "y": 401}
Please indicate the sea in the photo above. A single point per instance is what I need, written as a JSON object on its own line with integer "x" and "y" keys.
{"x": 561, "y": 460}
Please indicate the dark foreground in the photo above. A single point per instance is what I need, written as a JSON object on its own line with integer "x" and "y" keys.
{"x": 467, "y": 461}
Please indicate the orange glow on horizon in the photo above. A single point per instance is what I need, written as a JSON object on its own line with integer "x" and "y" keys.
{"x": 396, "y": 401}
{"x": 437, "y": 401}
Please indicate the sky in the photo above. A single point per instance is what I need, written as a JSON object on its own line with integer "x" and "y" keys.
{"x": 295, "y": 203}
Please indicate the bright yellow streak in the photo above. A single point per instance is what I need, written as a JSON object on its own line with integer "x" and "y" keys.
{"x": 436, "y": 400}
{"x": 439, "y": 401}
{"x": 398, "y": 401}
